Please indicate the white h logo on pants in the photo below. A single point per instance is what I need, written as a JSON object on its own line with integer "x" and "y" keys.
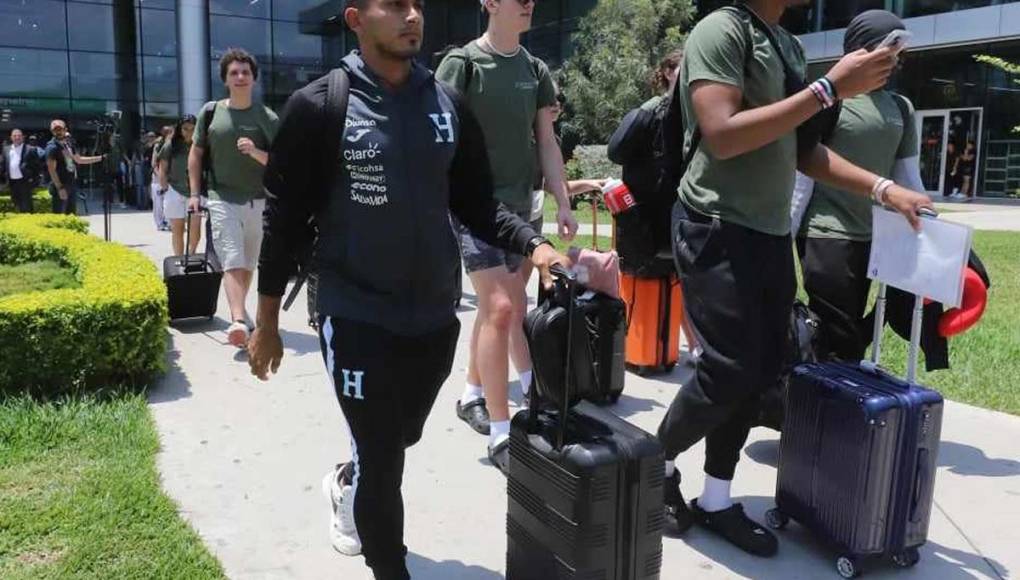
{"x": 352, "y": 379}
{"x": 444, "y": 126}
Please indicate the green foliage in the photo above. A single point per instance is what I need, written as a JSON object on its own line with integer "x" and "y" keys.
{"x": 35, "y": 276}
{"x": 1003, "y": 65}
{"x": 80, "y": 495}
{"x": 111, "y": 329}
{"x": 592, "y": 162}
{"x": 618, "y": 46}
{"x": 40, "y": 202}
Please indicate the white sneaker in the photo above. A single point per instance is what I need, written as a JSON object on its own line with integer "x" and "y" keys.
{"x": 237, "y": 334}
{"x": 342, "y": 531}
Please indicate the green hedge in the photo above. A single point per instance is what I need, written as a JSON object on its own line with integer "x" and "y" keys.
{"x": 40, "y": 201}
{"x": 112, "y": 329}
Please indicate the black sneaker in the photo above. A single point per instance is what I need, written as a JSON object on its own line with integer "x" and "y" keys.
{"x": 475, "y": 414}
{"x": 499, "y": 456}
{"x": 741, "y": 531}
{"x": 678, "y": 516}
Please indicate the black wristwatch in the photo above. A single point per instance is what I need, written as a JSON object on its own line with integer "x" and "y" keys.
{"x": 534, "y": 243}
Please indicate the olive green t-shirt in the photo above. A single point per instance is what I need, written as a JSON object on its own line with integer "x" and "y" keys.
{"x": 236, "y": 178}
{"x": 754, "y": 189}
{"x": 506, "y": 94}
{"x": 178, "y": 165}
{"x": 873, "y": 134}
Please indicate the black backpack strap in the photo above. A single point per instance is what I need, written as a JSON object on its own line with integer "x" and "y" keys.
{"x": 469, "y": 66}
{"x": 207, "y": 168}
{"x": 831, "y": 122}
{"x": 904, "y": 106}
{"x": 337, "y": 93}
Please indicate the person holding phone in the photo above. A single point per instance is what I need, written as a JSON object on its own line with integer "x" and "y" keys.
{"x": 877, "y": 132}
{"x": 742, "y": 86}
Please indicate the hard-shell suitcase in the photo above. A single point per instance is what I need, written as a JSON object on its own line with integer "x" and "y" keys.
{"x": 584, "y": 494}
{"x": 193, "y": 280}
{"x": 858, "y": 454}
{"x": 654, "y": 314}
{"x": 597, "y": 349}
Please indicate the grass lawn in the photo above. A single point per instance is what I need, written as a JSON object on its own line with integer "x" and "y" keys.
{"x": 80, "y": 496}
{"x": 605, "y": 243}
{"x": 34, "y": 276}
{"x": 582, "y": 214}
{"x": 986, "y": 360}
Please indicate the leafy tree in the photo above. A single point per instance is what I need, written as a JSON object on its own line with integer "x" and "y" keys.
{"x": 1005, "y": 66}
{"x": 617, "y": 47}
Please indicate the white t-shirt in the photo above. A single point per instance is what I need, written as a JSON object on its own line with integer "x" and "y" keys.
{"x": 14, "y": 161}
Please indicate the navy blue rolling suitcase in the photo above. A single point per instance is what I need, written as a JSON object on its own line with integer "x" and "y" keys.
{"x": 858, "y": 454}
{"x": 584, "y": 493}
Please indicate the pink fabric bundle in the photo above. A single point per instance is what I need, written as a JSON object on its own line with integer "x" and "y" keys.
{"x": 603, "y": 269}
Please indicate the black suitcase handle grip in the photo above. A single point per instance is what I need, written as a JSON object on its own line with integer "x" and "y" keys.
{"x": 920, "y": 484}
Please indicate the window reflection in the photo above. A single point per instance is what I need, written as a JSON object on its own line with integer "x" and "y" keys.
{"x": 35, "y": 73}
{"x": 91, "y": 27}
{"x": 33, "y": 24}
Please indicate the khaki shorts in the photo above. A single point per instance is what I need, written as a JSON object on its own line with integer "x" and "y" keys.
{"x": 237, "y": 232}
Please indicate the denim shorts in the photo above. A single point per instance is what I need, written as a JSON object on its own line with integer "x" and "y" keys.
{"x": 479, "y": 255}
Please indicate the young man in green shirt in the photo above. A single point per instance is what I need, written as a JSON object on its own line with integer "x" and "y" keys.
{"x": 731, "y": 232}
{"x": 238, "y": 139}
{"x": 512, "y": 94}
{"x": 877, "y": 132}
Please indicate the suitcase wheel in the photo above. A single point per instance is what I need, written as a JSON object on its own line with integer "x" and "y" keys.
{"x": 847, "y": 567}
{"x": 776, "y": 519}
{"x": 907, "y": 559}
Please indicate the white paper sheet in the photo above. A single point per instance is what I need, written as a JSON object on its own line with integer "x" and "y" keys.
{"x": 930, "y": 263}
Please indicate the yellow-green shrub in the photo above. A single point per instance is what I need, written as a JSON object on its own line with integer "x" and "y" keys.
{"x": 112, "y": 329}
{"x": 41, "y": 202}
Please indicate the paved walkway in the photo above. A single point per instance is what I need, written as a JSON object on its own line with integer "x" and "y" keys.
{"x": 244, "y": 459}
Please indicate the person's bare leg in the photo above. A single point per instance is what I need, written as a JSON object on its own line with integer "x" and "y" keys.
{"x": 196, "y": 232}
{"x": 495, "y": 311}
{"x": 473, "y": 378}
{"x": 235, "y": 283}
{"x": 519, "y": 353}
{"x": 177, "y": 236}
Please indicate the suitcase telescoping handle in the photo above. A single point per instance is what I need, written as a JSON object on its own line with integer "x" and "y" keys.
{"x": 569, "y": 279}
{"x": 915, "y": 325}
{"x": 187, "y": 238}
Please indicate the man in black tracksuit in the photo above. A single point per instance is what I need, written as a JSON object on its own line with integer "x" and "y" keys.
{"x": 411, "y": 153}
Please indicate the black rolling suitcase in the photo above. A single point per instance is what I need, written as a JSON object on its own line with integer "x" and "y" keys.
{"x": 858, "y": 455}
{"x": 584, "y": 493}
{"x": 193, "y": 280}
{"x": 598, "y": 345}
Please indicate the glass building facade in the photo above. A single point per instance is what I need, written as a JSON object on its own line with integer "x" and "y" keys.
{"x": 82, "y": 59}
{"x": 157, "y": 59}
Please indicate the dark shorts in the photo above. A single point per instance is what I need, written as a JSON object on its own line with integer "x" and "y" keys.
{"x": 479, "y": 255}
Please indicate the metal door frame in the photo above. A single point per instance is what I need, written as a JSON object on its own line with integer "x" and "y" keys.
{"x": 919, "y": 117}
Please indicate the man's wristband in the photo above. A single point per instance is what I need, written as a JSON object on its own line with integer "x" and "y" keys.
{"x": 534, "y": 243}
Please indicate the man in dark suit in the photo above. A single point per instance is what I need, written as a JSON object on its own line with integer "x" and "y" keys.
{"x": 20, "y": 169}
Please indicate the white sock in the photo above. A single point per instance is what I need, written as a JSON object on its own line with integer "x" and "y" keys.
{"x": 716, "y": 495}
{"x": 525, "y": 378}
{"x": 471, "y": 393}
{"x": 670, "y": 468}
{"x": 499, "y": 431}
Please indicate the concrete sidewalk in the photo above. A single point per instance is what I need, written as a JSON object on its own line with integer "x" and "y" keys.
{"x": 244, "y": 459}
